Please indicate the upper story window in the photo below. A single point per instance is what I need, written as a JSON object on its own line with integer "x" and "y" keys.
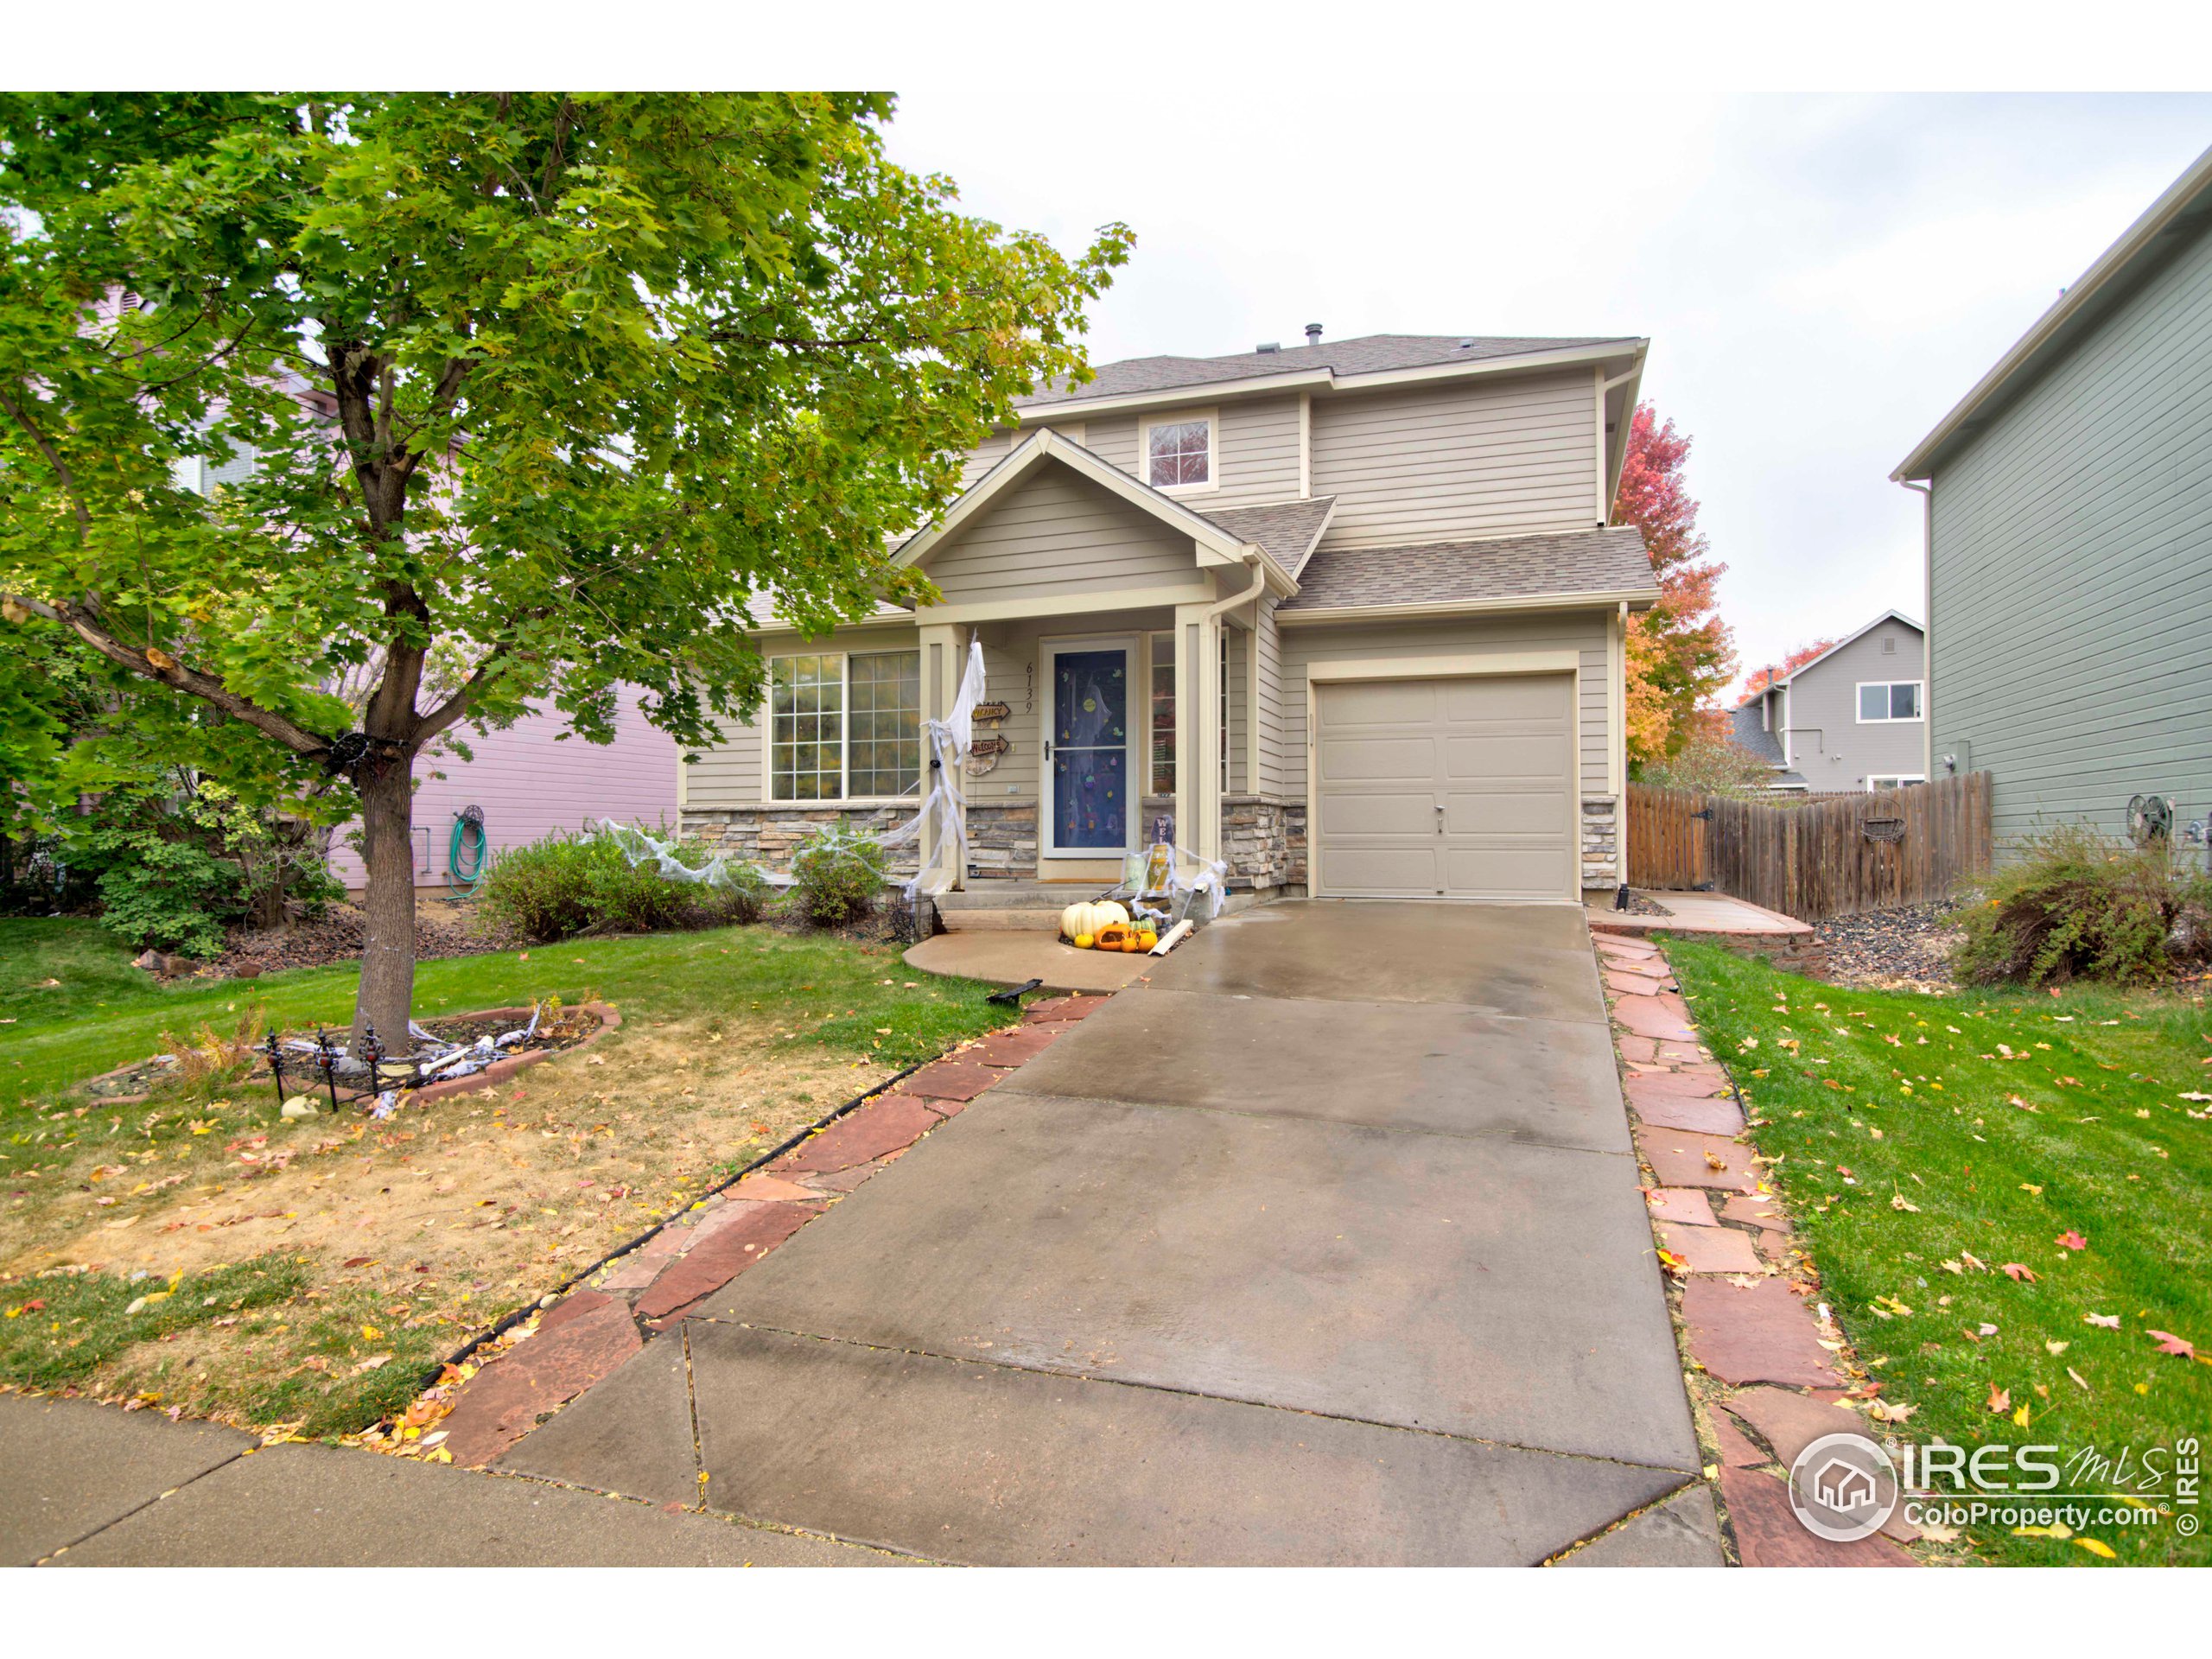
{"x": 1178, "y": 453}
{"x": 1887, "y": 700}
{"x": 845, "y": 726}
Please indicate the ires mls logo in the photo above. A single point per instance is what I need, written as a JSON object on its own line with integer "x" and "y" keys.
{"x": 1842, "y": 1488}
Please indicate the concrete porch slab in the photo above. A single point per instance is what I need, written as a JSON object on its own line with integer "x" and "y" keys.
{"x": 1699, "y": 912}
{"x": 1012, "y": 958}
{"x": 990, "y": 1465}
{"x": 1467, "y": 1285}
{"x": 1390, "y": 1064}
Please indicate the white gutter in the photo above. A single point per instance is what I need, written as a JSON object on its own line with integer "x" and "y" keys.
{"x": 1637, "y": 599}
{"x": 1259, "y": 563}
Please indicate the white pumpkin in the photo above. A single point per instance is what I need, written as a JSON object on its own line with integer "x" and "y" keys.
{"x": 1078, "y": 920}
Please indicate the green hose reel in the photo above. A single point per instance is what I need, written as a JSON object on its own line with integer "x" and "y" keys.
{"x": 465, "y": 851}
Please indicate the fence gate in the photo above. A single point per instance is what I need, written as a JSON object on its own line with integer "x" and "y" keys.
{"x": 1827, "y": 856}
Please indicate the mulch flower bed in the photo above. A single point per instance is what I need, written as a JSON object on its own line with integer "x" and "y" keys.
{"x": 1911, "y": 946}
{"x": 336, "y": 937}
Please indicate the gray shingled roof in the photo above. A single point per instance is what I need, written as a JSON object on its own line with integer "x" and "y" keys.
{"x": 1744, "y": 727}
{"x": 1287, "y": 531}
{"x": 1368, "y": 354}
{"x": 1443, "y": 573}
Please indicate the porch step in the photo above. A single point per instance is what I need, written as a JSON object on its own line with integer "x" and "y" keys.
{"x": 1012, "y": 906}
{"x": 1000, "y": 921}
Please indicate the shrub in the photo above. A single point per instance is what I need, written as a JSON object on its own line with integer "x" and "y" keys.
{"x": 161, "y": 891}
{"x": 567, "y": 884}
{"x": 2073, "y": 905}
{"x": 836, "y": 876}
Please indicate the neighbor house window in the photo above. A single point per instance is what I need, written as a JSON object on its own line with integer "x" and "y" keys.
{"x": 1898, "y": 782}
{"x": 1163, "y": 713}
{"x": 845, "y": 726}
{"x": 1885, "y": 700}
{"x": 1178, "y": 454}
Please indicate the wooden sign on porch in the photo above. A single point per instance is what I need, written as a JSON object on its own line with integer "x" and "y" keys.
{"x": 990, "y": 746}
{"x": 992, "y": 711}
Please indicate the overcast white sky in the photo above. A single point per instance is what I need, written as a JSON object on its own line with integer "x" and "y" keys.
{"x": 1820, "y": 278}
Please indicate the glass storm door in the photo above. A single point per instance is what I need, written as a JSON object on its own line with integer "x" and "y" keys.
{"x": 1087, "y": 769}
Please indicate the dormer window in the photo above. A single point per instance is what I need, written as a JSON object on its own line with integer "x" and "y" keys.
{"x": 1178, "y": 453}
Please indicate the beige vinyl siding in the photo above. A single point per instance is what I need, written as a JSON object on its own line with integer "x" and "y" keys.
{"x": 2070, "y": 619}
{"x": 728, "y": 774}
{"x": 984, "y": 456}
{"x": 1267, "y": 641}
{"x": 1827, "y": 742}
{"x": 1479, "y": 458}
{"x": 1236, "y": 646}
{"x": 1582, "y": 632}
{"x": 1056, "y": 533}
{"x": 1256, "y": 455}
{"x": 1113, "y": 439}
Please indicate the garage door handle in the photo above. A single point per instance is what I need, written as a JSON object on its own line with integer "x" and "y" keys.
{"x": 1440, "y": 817}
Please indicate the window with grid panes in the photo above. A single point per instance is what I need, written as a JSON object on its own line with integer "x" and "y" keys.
{"x": 845, "y": 726}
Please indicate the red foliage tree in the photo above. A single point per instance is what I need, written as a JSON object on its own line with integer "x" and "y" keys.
{"x": 1764, "y": 678}
{"x": 1680, "y": 652}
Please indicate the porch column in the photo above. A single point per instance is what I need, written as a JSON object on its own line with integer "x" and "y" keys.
{"x": 942, "y": 665}
{"x": 1197, "y": 731}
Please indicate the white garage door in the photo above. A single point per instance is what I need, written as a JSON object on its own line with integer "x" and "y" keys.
{"x": 1445, "y": 788}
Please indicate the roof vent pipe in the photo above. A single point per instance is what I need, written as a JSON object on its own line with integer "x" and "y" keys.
{"x": 1269, "y": 345}
{"x": 1312, "y": 334}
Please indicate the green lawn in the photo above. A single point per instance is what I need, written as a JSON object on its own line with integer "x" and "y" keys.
{"x": 1919, "y": 1135}
{"x": 104, "y": 1012}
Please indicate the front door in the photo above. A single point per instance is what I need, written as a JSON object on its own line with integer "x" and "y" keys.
{"x": 1090, "y": 811}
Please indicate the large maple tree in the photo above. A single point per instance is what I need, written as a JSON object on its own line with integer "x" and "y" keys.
{"x": 1762, "y": 677}
{"x": 1680, "y": 653}
{"x": 543, "y": 392}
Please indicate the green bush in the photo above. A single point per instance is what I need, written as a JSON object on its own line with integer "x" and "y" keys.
{"x": 837, "y": 874}
{"x": 570, "y": 884}
{"x": 162, "y": 890}
{"x": 2073, "y": 905}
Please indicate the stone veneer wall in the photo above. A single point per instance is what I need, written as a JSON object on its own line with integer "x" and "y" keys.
{"x": 768, "y": 834}
{"x": 1002, "y": 842}
{"x": 1601, "y": 842}
{"x": 1264, "y": 842}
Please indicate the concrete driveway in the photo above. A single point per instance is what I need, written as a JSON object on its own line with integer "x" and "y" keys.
{"x": 1324, "y": 1245}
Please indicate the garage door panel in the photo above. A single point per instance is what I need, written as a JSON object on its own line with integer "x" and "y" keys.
{"x": 1538, "y": 755}
{"x": 1495, "y": 872}
{"x": 1355, "y": 759}
{"x": 1382, "y": 703}
{"x": 1535, "y": 697}
{"x": 1362, "y": 869}
{"x": 1498, "y": 752}
{"x": 1382, "y": 813}
{"x": 1508, "y": 812}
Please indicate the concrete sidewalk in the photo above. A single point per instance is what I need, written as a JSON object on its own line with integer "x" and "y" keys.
{"x": 90, "y": 1485}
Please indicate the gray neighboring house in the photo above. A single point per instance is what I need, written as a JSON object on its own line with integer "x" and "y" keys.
{"x": 2070, "y": 542}
{"x": 1852, "y": 718}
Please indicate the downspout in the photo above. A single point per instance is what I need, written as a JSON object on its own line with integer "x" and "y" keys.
{"x": 1222, "y": 606}
{"x": 1927, "y": 493}
{"x": 1211, "y": 618}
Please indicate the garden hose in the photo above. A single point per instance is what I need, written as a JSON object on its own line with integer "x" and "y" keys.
{"x": 465, "y": 858}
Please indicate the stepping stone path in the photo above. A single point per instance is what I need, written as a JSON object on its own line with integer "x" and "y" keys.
{"x": 477, "y": 1411}
{"x": 1769, "y": 1372}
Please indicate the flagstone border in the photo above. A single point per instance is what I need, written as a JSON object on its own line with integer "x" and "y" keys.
{"x": 1768, "y": 1370}
{"x": 482, "y": 1406}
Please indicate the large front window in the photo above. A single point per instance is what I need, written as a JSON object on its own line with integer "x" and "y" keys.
{"x": 845, "y": 726}
{"x": 1887, "y": 700}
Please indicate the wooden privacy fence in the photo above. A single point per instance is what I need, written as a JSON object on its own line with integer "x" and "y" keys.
{"x": 1833, "y": 855}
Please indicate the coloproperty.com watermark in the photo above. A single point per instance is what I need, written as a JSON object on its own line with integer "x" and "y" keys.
{"x": 1844, "y": 1487}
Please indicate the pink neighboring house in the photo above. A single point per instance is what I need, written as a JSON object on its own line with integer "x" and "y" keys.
{"x": 531, "y": 782}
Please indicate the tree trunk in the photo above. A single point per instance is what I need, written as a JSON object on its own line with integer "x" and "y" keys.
{"x": 387, "y": 993}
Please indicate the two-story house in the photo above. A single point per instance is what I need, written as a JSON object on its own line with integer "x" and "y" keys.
{"x": 1349, "y": 618}
{"x": 1854, "y": 717}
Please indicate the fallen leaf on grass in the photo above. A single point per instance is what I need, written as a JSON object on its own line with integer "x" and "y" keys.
{"x": 1898, "y": 1201}
{"x": 2109, "y": 1321}
{"x": 2071, "y": 1240}
{"x": 2055, "y": 1529}
{"x": 2096, "y": 1546}
{"x": 1883, "y": 1411}
{"x": 2079, "y": 1380}
{"x": 372, "y": 1362}
{"x": 2054, "y": 1349}
{"x": 2000, "y": 1400}
{"x": 2018, "y": 1272}
{"x": 2170, "y": 1344}
{"x": 1974, "y": 1262}
{"x": 2020, "y": 1417}
{"x": 2030, "y": 1187}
